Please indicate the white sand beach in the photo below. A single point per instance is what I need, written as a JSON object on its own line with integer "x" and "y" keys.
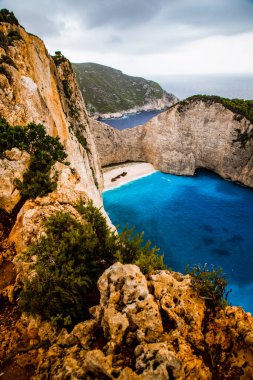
{"x": 133, "y": 170}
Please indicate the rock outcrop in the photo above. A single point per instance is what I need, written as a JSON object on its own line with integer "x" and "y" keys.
{"x": 183, "y": 139}
{"x": 12, "y": 168}
{"x": 156, "y": 330}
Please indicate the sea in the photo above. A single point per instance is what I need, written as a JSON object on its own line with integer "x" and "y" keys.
{"x": 228, "y": 86}
{"x": 194, "y": 220}
{"x": 130, "y": 120}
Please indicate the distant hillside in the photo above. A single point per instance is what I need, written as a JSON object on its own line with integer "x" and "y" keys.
{"x": 107, "y": 90}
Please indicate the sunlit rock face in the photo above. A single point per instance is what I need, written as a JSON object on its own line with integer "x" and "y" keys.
{"x": 182, "y": 139}
{"x": 12, "y": 168}
{"x": 35, "y": 89}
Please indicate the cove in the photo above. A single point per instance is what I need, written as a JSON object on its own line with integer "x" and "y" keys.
{"x": 130, "y": 120}
{"x": 194, "y": 220}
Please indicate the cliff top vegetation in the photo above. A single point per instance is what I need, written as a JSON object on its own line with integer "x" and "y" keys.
{"x": 239, "y": 106}
{"x": 107, "y": 90}
{"x": 7, "y": 16}
{"x": 58, "y": 58}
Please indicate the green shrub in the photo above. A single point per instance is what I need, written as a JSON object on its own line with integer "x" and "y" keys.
{"x": 210, "y": 284}
{"x": 131, "y": 250}
{"x": 37, "y": 180}
{"x": 7, "y": 40}
{"x": 70, "y": 259}
{"x": 7, "y": 16}
{"x": 65, "y": 271}
{"x": 58, "y": 58}
{"x": 45, "y": 151}
{"x": 82, "y": 140}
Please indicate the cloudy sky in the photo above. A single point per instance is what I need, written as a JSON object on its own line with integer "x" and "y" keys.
{"x": 145, "y": 37}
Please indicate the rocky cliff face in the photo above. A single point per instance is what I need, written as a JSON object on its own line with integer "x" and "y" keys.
{"x": 35, "y": 89}
{"x": 182, "y": 139}
{"x": 157, "y": 330}
{"x": 12, "y": 168}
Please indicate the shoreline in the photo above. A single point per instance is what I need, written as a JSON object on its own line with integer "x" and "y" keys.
{"x": 132, "y": 170}
{"x": 163, "y": 104}
{"x": 121, "y": 114}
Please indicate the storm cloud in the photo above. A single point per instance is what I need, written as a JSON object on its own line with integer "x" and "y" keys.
{"x": 133, "y": 27}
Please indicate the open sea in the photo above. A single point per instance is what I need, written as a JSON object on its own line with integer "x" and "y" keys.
{"x": 194, "y": 220}
{"x": 228, "y": 86}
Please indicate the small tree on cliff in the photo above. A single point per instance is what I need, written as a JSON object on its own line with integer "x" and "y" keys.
{"x": 210, "y": 284}
{"x": 45, "y": 150}
{"x": 7, "y": 16}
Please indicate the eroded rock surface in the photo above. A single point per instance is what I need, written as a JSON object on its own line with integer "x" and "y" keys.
{"x": 155, "y": 330}
{"x": 180, "y": 140}
{"x": 31, "y": 218}
{"x": 12, "y": 167}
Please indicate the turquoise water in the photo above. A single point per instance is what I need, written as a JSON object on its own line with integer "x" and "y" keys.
{"x": 194, "y": 220}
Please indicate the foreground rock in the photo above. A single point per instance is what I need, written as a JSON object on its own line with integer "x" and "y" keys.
{"x": 183, "y": 139}
{"x": 155, "y": 330}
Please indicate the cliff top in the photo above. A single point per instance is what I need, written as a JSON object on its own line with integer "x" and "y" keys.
{"x": 7, "y": 16}
{"x": 238, "y": 106}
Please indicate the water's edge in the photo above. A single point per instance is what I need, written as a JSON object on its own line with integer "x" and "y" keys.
{"x": 194, "y": 220}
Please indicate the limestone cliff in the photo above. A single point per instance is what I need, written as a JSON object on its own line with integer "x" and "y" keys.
{"x": 157, "y": 330}
{"x": 35, "y": 89}
{"x": 182, "y": 139}
{"x": 12, "y": 167}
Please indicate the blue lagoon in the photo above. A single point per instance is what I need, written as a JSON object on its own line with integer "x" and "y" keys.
{"x": 194, "y": 220}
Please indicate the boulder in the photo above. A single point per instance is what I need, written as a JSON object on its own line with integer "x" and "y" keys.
{"x": 127, "y": 310}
